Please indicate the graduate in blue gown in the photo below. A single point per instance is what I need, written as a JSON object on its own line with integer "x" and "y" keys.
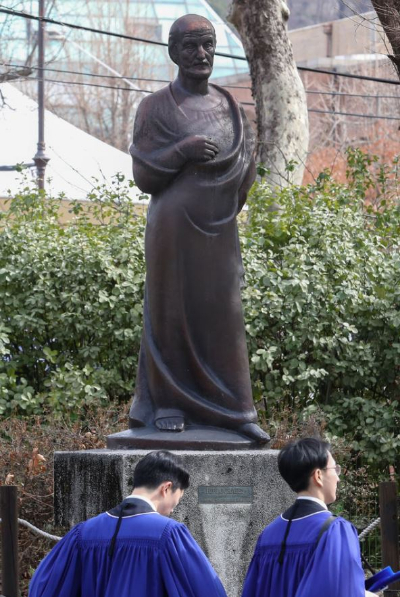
{"x": 134, "y": 549}
{"x": 307, "y": 552}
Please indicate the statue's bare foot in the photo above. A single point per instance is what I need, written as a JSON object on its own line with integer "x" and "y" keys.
{"x": 170, "y": 424}
{"x": 254, "y": 432}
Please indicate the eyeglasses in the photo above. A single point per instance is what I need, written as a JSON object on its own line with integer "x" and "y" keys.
{"x": 337, "y": 468}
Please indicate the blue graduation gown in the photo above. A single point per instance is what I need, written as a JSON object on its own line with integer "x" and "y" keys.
{"x": 153, "y": 556}
{"x": 329, "y": 568}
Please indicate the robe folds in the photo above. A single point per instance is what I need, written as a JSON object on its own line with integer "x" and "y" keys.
{"x": 153, "y": 556}
{"x": 193, "y": 357}
{"x": 328, "y": 567}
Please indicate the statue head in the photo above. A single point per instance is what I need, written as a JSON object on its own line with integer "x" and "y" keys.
{"x": 191, "y": 45}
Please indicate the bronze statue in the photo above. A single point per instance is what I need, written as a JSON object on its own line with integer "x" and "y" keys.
{"x": 192, "y": 152}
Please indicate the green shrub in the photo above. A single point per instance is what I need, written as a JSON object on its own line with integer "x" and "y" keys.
{"x": 71, "y": 301}
{"x": 322, "y": 304}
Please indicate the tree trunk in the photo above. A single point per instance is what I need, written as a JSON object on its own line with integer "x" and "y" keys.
{"x": 281, "y": 105}
{"x": 388, "y": 12}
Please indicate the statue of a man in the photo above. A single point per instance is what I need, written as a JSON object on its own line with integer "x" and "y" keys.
{"x": 192, "y": 152}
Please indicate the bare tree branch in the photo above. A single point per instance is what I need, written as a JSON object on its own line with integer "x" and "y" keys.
{"x": 14, "y": 75}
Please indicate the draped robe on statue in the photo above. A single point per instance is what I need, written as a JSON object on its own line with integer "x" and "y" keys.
{"x": 193, "y": 358}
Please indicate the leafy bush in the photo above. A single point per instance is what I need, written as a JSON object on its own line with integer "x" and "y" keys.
{"x": 71, "y": 301}
{"x": 322, "y": 303}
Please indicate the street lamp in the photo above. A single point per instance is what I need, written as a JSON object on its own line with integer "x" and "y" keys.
{"x": 40, "y": 158}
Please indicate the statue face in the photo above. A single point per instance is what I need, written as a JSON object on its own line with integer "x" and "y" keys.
{"x": 195, "y": 52}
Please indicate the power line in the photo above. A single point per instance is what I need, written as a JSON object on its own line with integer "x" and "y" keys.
{"x": 148, "y": 80}
{"x": 339, "y": 93}
{"x": 25, "y": 15}
{"x": 88, "y": 85}
{"x": 74, "y": 72}
{"x": 243, "y": 103}
{"x": 375, "y": 116}
{"x": 350, "y": 75}
{"x": 98, "y": 85}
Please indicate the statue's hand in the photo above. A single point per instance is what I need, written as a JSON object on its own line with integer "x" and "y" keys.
{"x": 198, "y": 148}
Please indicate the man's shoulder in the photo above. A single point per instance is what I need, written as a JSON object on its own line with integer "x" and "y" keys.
{"x": 336, "y": 529}
{"x": 304, "y": 530}
{"x": 151, "y": 526}
{"x": 274, "y": 527}
{"x": 340, "y": 522}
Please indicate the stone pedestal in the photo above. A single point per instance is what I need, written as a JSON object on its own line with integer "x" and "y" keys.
{"x": 232, "y": 496}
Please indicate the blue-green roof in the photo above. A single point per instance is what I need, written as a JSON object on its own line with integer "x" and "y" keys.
{"x": 150, "y": 19}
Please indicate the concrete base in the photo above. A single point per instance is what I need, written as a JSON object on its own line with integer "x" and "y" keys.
{"x": 232, "y": 496}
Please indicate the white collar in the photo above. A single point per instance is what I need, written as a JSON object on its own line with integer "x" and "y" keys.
{"x": 313, "y": 499}
{"x": 145, "y": 499}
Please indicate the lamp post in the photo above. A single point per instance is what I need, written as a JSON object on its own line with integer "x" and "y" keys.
{"x": 40, "y": 158}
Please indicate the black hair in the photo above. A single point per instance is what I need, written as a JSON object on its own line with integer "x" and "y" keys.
{"x": 158, "y": 467}
{"x": 298, "y": 459}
